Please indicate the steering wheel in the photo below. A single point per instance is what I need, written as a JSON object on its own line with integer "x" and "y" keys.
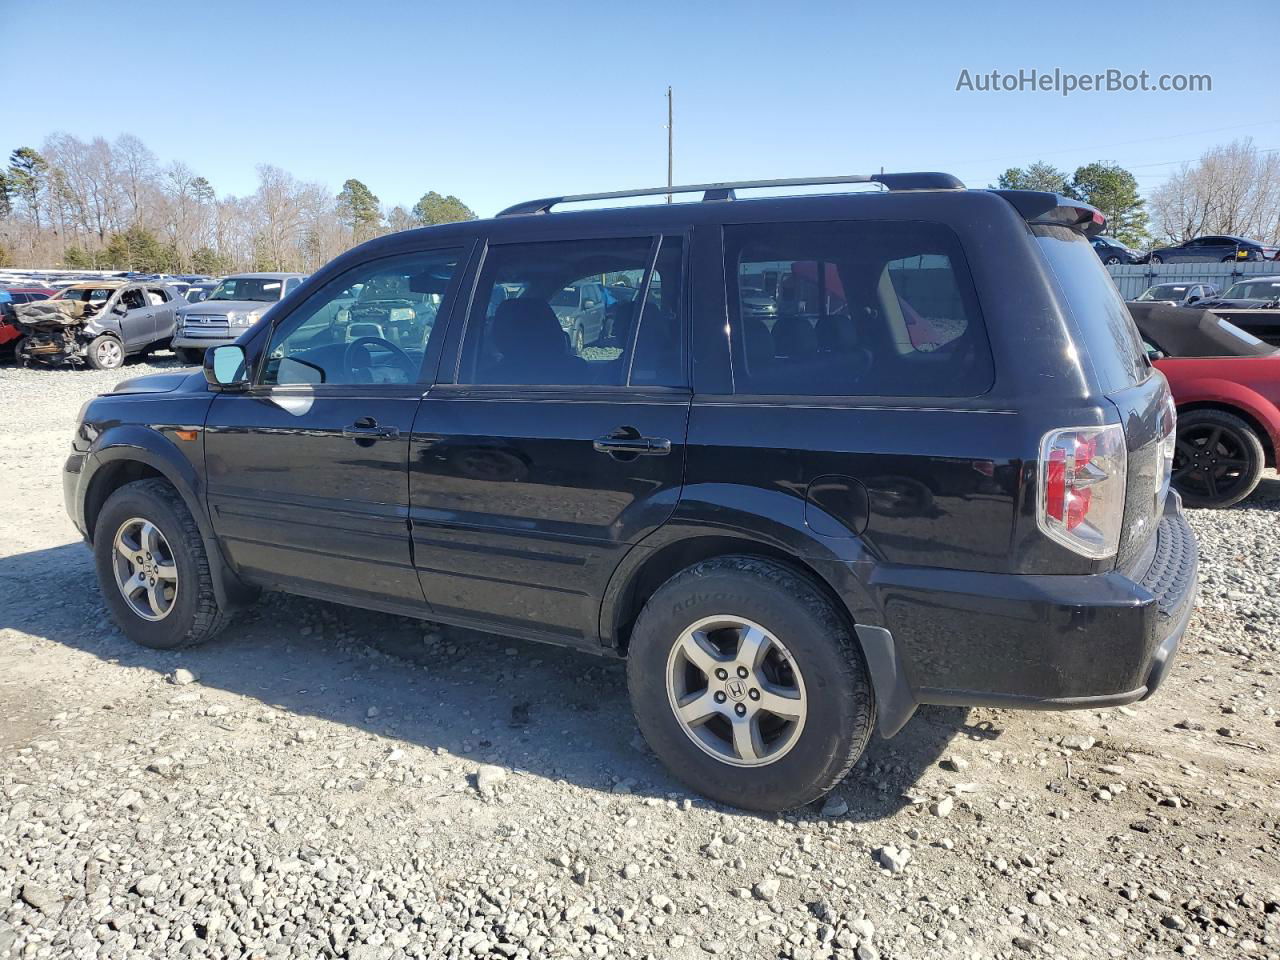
{"x": 400, "y": 357}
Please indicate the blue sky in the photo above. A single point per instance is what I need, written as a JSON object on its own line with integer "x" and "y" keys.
{"x": 497, "y": 102}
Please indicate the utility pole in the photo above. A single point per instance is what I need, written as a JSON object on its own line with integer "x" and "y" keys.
{"x": 670, "y": 142}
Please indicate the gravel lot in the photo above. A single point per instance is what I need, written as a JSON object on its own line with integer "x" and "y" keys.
{"x": 323, "y": 782}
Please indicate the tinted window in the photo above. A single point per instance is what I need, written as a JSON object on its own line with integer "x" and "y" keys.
{"x": 565, "y": 313}
{"x": 380, "y": 337}
{"x": 854, "y": 309}
{"x": 1104, "y": 322}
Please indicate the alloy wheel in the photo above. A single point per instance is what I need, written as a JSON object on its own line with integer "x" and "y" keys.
{"x": 1211, "y": 460}
{"x": 736, "y": 691}
{"x": 109, "y": 353}
{"x": 145, "y": 568}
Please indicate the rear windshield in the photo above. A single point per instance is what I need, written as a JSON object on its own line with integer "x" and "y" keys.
{"x": 1109, "y": 336}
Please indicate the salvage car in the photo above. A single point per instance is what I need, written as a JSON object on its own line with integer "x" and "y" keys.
{"x": 793, "y": 528}
{"x": 1215, "y": 249}
{"x": 235, "y": 304}
{"x": 98, "y": 324}
{"x": 1111, "y": 251}
{"x": 1177, "y": 294}
{"x": 1226, "y": 386}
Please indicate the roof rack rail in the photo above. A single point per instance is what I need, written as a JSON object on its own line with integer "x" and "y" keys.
{"x": 725, "y": 191}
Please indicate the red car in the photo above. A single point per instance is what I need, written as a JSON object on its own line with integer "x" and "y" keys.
{"x": 1226, "y": 386}
{"x": 8, "y": 332}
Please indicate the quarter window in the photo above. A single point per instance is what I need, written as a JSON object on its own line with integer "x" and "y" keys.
{"x": 576, "y": 313}
{"x": 865, "y": 308}
{"x": 371, "y": 325}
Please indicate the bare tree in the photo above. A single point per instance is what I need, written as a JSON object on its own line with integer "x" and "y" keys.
{"x": 1232, "y": 189}
{"x": 92, "y": 197}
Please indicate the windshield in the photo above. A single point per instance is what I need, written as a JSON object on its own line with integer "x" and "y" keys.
{"x": 263, "y": 289}
{"x": 1165, "y": 291}
{"x": 1253, "y": 290}
{"x": 86, "y": 294}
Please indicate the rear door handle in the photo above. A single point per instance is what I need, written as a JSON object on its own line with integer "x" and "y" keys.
{"x": 627, "y": 442}
{"x": 366, "y": 428}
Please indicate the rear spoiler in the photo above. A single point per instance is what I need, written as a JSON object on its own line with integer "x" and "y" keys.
{"x": 1053, "y": 209}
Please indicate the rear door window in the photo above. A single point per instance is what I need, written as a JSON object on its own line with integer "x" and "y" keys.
{"x": 577, "y": 313}
{"x": 865, "y": 308}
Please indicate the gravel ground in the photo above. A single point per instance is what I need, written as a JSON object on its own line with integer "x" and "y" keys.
{"x": 323, "y": 782}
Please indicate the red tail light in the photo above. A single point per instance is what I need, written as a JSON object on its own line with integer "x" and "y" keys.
{"x": 1082, "y": 485}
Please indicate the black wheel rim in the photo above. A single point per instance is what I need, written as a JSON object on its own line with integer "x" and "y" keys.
{"x": 1211, "y": 461}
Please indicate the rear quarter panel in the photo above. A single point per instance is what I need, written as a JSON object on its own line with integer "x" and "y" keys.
{"x": 1249, "y": 384}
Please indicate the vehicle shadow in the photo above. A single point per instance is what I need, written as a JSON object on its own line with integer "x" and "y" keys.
{"x": 541, "y": 710}
{"x": 1265, "y": 497}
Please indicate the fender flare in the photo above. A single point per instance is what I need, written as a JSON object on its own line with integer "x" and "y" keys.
{"x": 1226, "y": 393}
{"x": 772, "y": 523}
{"x": 139, "y": 444}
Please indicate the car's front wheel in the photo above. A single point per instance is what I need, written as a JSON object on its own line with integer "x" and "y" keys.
{"x": 1155, "y": 258}
{"x": 153, "y": 569}
{"x": 105, "y": 353}
{"x": 749, "y": 685}
{"x": 1112, "y": 260}
{"x": 1218, "y": 458}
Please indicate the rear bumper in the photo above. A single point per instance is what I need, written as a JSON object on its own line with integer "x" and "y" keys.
{"x": 1031, "y": 642}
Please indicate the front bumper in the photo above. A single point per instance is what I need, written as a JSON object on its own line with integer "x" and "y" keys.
{"x": 203, "y": 340}
{"x": 1031, "y": 642}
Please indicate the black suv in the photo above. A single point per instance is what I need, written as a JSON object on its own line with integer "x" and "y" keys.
{"x": 838, "y": 456}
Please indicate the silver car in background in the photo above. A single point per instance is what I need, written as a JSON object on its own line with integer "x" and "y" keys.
{"x": 233, "y": 307}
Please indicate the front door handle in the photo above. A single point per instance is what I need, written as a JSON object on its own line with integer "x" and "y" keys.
{"x": 366, "y": 428}
{"x": 626, "y": 442}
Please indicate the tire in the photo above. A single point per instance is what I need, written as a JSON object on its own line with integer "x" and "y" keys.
{"x": 1234, "y": 451}
{"x": 804, "y": 759}
{"x": 105, "y": 353}
{"x": 1156, "y": 259}
{"x": 579, "y": 340}
{"x": 193, "y": 614}
{"x": 188, "y": 356}
{"x": 1113, "y": 260}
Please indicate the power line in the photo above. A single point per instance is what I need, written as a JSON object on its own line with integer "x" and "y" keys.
{"x": 1125, "y": 143}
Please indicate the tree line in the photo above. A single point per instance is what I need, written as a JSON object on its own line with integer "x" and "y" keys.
{"x": 1232, "y": 189}
{"x": 111, "y": 205}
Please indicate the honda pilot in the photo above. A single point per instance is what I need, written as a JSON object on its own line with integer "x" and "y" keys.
{"x": 838, "y": 456}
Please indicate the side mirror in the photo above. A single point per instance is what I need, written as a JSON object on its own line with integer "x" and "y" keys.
{"x": 120, "y": 309}
{"x": 1191, "y": 300}
{"x": 1153, "y": 354}
{"x": 225, "y": 367}
{"x": 588, "y": 303}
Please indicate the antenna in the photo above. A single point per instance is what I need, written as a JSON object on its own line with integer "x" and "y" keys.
{"x": 670, "y": 143}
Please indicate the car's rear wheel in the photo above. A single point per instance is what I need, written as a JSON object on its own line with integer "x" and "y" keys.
{"x": 1112, "y": 260}
{"x": 1156, "y": 259}
{"x": 105, "y": 353}
{"x": 1218, "y": 459}
{"x": 749, "y": 685}
{"x": 153, "y": 569}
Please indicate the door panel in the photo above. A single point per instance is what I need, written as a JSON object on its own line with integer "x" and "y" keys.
{"x": 138, "y": 324}
{"x": 517, "y": 519}
{"x": 301, "y": 491}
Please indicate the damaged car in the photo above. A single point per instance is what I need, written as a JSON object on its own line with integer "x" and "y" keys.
{"x": 98, "y": 324}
